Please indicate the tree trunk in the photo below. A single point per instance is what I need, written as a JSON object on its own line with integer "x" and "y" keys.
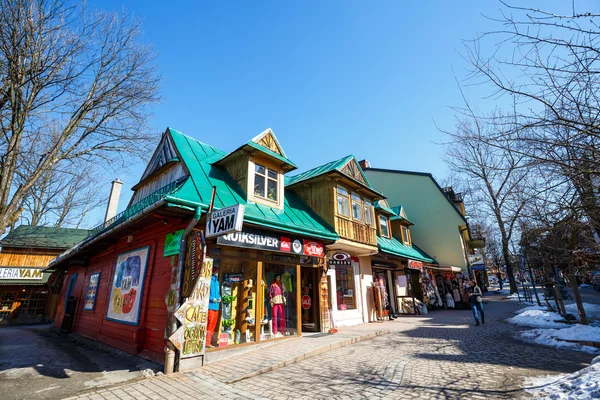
{"x": 533, "y": 282}
{"x": 580, "y": 309}
{"x": 509, "y": 269}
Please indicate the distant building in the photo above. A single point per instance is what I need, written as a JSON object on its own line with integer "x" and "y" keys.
{"x": 25, "y": 292}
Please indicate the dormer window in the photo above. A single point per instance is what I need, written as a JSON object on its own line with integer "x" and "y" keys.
{"x": 405, "y": 235}
{"x": 384, "y": 226}
{"x": 265, "y": 183}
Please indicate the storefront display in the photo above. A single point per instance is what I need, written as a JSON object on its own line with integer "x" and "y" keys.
{"x": 345, "y": 291}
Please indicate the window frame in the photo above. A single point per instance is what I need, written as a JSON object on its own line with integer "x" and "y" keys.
{"x": 360, "y": 203}
{"x": 387, "y": 226}
{"x": 368, "y": 210}
{"x": 346, "y": 196}
{"x": 406, "y": 235}
{"x": 266, "y": 178}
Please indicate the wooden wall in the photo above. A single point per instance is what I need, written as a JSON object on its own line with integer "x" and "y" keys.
{"x": 146, "y": 339}
{"x": 17, "y": 257}
{"x": 319, "y": 195}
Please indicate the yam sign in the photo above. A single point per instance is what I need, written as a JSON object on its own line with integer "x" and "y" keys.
{"x": 190, "y": 337}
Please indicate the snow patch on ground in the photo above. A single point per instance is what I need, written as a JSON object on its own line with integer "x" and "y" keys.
{"x": 583, "y": 384}
{"x": 550, "y": 337}
{"x": 591, "y": 310}
{"x": 537, "y": 318}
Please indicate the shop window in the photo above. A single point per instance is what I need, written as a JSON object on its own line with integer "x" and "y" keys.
{"x": 384, "y": 226}
{"x": 405, "y": 235}
{"x": 280, "y": 305}
{"x": 265, "y": 183}
{"x": 343, "y": 202}
{"x": 368, "y": 212}
{"x": 357, "y": 207}
{"x": 345, "y": 290}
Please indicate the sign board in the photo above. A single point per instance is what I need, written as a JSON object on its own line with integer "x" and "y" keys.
{"x": 224, "y": 221}
{"x": 21, "y": 273}
{"x": 172, "y": 243}
{"x": 192, "y": 262}
{"x": 340, "y": 258}
{"x": 271, "y": 241}
{"x": 306, "y": 302}
{"x": 190, "y": 338}
{"x": 90, "y": 296}
{"x": 412, "y": 264}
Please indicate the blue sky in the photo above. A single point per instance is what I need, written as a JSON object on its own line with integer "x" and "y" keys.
{"x": 330, "y": 78}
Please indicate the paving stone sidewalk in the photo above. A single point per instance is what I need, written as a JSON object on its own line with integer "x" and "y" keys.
{"x": 438, "y": 356}
{"x": 213, "y": 380}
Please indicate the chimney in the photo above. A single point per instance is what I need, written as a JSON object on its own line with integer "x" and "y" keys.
{"x": 113, "y": 199}
{"x": 364, "y": 164}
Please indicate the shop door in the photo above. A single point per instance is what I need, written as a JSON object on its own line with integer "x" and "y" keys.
{"x": 309, "y": 299}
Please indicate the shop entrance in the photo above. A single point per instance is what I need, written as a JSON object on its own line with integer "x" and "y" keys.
{"x": 309, "y": 299}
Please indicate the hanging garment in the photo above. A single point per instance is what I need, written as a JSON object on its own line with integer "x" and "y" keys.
{"x": 449, "y": 300}
{"x": 438, "y": 301}
{"x": 456, "y": 295}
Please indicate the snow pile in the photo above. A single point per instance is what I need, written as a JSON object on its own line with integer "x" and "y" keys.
{"x": 583, "y": 385}
{"x": 591, "y": 310}
{"x": 538, "y": 318}
{"x": 585, "y": 285}
{"x": 556, "y": 337}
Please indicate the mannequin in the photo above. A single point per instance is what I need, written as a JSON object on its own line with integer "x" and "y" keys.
{"x": 213, "y": 305}
{"x": 278, "y": 301}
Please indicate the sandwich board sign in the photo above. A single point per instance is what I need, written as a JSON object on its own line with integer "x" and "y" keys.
{"x": 224, "y": 221}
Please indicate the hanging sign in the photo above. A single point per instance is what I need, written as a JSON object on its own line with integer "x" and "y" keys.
{"x": 190, "y": 337}
{"x": 412, "y": 264}
{"x": 270, "y": 241}
{"x": 224, "y": 221}
{"x": 172, "y": 243}
{"x": 340, "y": 258}
{"x": 192, "y": 262}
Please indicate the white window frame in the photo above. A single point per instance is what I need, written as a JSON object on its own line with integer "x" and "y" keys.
{"x": 346, "y": 196}
{"x": 360, "y": 204}
{"x": 368, "y": 211}
{"x": 405, "y": 235}
{"x": 266, "y": 186}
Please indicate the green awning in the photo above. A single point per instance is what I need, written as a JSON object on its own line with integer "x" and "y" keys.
{"x": 394, "y": 247}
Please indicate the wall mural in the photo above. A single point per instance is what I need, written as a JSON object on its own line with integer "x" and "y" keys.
{"x": 127, "y": 287}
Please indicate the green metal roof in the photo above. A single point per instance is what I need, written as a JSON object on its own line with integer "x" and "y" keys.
{"x": 394, "y": 247}
{"x": 380, "y": 206}
{"x": 332, "y": 166}
{"x": 398, "y": 215}
{"x": 43, "y": 237}
{"x": 271, "y": 153}
{"x": 296, "y": 217}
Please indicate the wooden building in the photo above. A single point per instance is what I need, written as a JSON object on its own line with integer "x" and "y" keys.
{"x": 26, "y": 294}
{"x": 117, "y": 279}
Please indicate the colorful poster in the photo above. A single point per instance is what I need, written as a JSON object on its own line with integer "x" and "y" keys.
{"x": 90, "y": 296}
{"x": 127, "y": 287}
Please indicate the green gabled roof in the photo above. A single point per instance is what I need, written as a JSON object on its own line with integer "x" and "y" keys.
{"x": 271, "y": 153}
{"x": 380, "y": 206}
{"x": 43, "y": 237}
{"x": 394, "y": 247}
{"x": 332, "y": 166}
{"x": 296, "y": 217}
{"x": 398, "y": 215}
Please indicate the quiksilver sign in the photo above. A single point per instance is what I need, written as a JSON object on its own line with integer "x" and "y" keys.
{"x": 265, "y": 240}
{"x": 224, "y": 221}
{"x": 21, "y": 273}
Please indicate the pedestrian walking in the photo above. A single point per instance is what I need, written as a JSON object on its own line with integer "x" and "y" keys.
{"x": 476, "y": 301}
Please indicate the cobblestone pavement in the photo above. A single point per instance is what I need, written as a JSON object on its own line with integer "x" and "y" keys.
{"x": 441, "y": 355}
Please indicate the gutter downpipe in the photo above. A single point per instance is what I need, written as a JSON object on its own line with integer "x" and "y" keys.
{"x": 171, "y": 320}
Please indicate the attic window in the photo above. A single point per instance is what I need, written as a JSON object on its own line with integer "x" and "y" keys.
{"x": 405, "y": 235}
{"x": 265, "y": 183}
{"x": 384, "y": 227}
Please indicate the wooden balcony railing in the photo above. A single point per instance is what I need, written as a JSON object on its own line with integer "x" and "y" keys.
{"x": 356, "y": 231}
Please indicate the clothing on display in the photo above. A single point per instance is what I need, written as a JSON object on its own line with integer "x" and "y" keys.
{"x": 278, "y": 301}
{"x": 213, "y": 307}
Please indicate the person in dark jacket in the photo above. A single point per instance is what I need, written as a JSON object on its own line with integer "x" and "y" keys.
{"x": 476, "y": 301}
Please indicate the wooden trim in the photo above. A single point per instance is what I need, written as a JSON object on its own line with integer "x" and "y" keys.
{"x": 259, "y": 298}
{"x": 298, "y": 300}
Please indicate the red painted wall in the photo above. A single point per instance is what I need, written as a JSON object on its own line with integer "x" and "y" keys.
{"x": 146, "y": 339}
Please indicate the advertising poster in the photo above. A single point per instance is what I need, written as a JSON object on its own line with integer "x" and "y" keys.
{"x": 90, "y": 296}
{"x": 127, "y": 287}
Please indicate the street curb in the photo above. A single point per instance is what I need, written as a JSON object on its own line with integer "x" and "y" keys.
{"x": 309, "y": 354}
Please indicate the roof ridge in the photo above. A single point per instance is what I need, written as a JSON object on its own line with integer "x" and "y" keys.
{"x": 195, "y": 140}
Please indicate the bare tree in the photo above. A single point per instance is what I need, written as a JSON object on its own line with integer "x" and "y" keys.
{"x": 62, "y": 197}
{"x": 548, "y": 65}
{"x": 496, "y": 177}
{"x": 74, "y": 85}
